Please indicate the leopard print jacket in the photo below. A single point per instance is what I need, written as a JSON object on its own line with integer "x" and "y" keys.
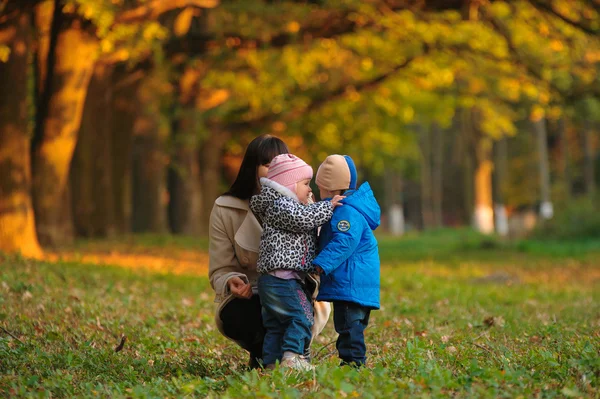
{"x": 289, "y": 237}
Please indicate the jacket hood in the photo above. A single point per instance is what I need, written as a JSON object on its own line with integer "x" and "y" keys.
{"x": 363, "y": 200}
{"x": 270, "y": 191}
{"x": 353, "y": 174}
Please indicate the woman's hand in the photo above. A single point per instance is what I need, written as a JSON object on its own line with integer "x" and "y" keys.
{"x": 239, "y": 288}
{"x": 336, "y": 200}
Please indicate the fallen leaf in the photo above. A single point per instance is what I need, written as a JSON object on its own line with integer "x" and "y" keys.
{"x": 121, "y": 344}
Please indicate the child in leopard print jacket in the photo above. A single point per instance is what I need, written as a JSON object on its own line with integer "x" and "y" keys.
{"x": 287, "y": 248}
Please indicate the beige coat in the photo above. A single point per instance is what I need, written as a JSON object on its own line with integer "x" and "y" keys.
{"x": 233, "y": 251}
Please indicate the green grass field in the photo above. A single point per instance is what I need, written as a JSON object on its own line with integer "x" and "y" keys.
{"x": 461, "y": 316}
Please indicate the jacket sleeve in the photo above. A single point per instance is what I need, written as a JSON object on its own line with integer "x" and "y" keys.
{"x": 343, "y": 243}
{"x": 223, "y": 264}
{"x": 293, "y": 216}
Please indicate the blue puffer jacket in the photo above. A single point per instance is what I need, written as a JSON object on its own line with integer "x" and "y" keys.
{"x": 348, "y": 251}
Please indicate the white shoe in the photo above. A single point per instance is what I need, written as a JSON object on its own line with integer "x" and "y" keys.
{"x": 296, "y": 362}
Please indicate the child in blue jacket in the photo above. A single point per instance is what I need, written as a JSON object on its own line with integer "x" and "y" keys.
{"x": 348, "y": 257}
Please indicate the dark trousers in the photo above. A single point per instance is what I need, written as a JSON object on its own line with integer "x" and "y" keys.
{"x": 242, "y": 321}
{"x": 350, "y": 321}
{"x": 287, "y": 315}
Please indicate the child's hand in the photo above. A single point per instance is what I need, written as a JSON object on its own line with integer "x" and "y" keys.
{"x": 335, "y": 201}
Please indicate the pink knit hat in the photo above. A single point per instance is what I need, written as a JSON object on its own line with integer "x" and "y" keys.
{"x": 288, "y": 169}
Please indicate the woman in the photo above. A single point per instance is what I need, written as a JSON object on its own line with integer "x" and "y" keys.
{"x": 234, "y": 235}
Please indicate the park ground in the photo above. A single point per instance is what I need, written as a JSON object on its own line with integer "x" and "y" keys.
{"x": 462, "y": 315}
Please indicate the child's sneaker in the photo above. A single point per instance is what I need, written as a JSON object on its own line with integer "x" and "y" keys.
{"x": 296, "y": 362}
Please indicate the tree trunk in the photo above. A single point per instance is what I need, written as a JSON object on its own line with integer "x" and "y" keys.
{"x": 484, "y": 212}
{"x": 185, "y": 197}
{"x": 393, "y": 190}
{"x": 17, "y": 225}
{"x": 565, "y": 157}
{"x": 70, "y": 66}
{"x": 589, "y": 159}
{"x": 43, "y": 15}
{"x": 426, "y": 181}
{"x": 210, "y": 165}
{"x": 466, "y": 140}
{"x": 124, "y": 109}
{"x": 501, "y": 167}
{"x": 149, "y": 162}
{"x": 91, "y": 169}
{"x": 437, "y": 174}
{"x": 546, "y": 208}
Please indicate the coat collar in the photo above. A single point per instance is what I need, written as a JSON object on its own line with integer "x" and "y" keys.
{"x": 248, "y": 234}
{"x": 230, "y": 201}
{"x": 281, "y": 189}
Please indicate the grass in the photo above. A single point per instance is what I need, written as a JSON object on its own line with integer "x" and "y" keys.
{"x": 462, "y": 316}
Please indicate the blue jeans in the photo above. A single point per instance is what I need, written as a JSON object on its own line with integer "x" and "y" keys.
{"x": 287, "y": 317}
{"x": 350, "y": 321}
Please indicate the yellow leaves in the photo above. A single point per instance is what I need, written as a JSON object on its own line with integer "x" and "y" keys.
{"x": 384, "y": 92}
{"x": 476, "y": 85}
{"x": 69, "y": 8}
{"x": 408, "y": 114}
{"x": 544, "y": 97}
{"x": 425, "y": 84}
{"x": 154, "y": 31}
{"x": 544, "y": 30}
{"x": 352, "y": 94}
{"x": 183, "y": 21}
{"x": 277, "y": 108}
{"x": 587, "y": 76}
{"x": 510, "y": 88}
{"x": 530, "y": 90}
{"x": 327, "y": 43}
{"x": 537, "y": 113}
{"x": 106, "y": 45}
{"x": 592, "y": 56}
{"x": 501, "y": 9}
{"x": 554, "y": 113}
{"x": 557, "y": 45}
{"x": 322, "y": 77}
{"x": 367, "y": 64}
{"x": 496, "y": 120}
{"x": 445, "y": 77}
{"x": 4, "y": 53}
{"x": 387, "y": 104}
{"x": 328, "y": 136}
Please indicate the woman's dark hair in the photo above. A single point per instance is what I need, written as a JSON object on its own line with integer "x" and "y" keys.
{"x": 260, "y": 151}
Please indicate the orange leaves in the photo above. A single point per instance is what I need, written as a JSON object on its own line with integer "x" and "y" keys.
{"x": 184, "y": 21}
{"x": 557, "y": 45}
{"x": 209, "y": 99}
{"x": 293, "y": 27}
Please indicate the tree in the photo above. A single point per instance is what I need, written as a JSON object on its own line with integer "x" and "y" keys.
{"x": 17, "y": 226}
